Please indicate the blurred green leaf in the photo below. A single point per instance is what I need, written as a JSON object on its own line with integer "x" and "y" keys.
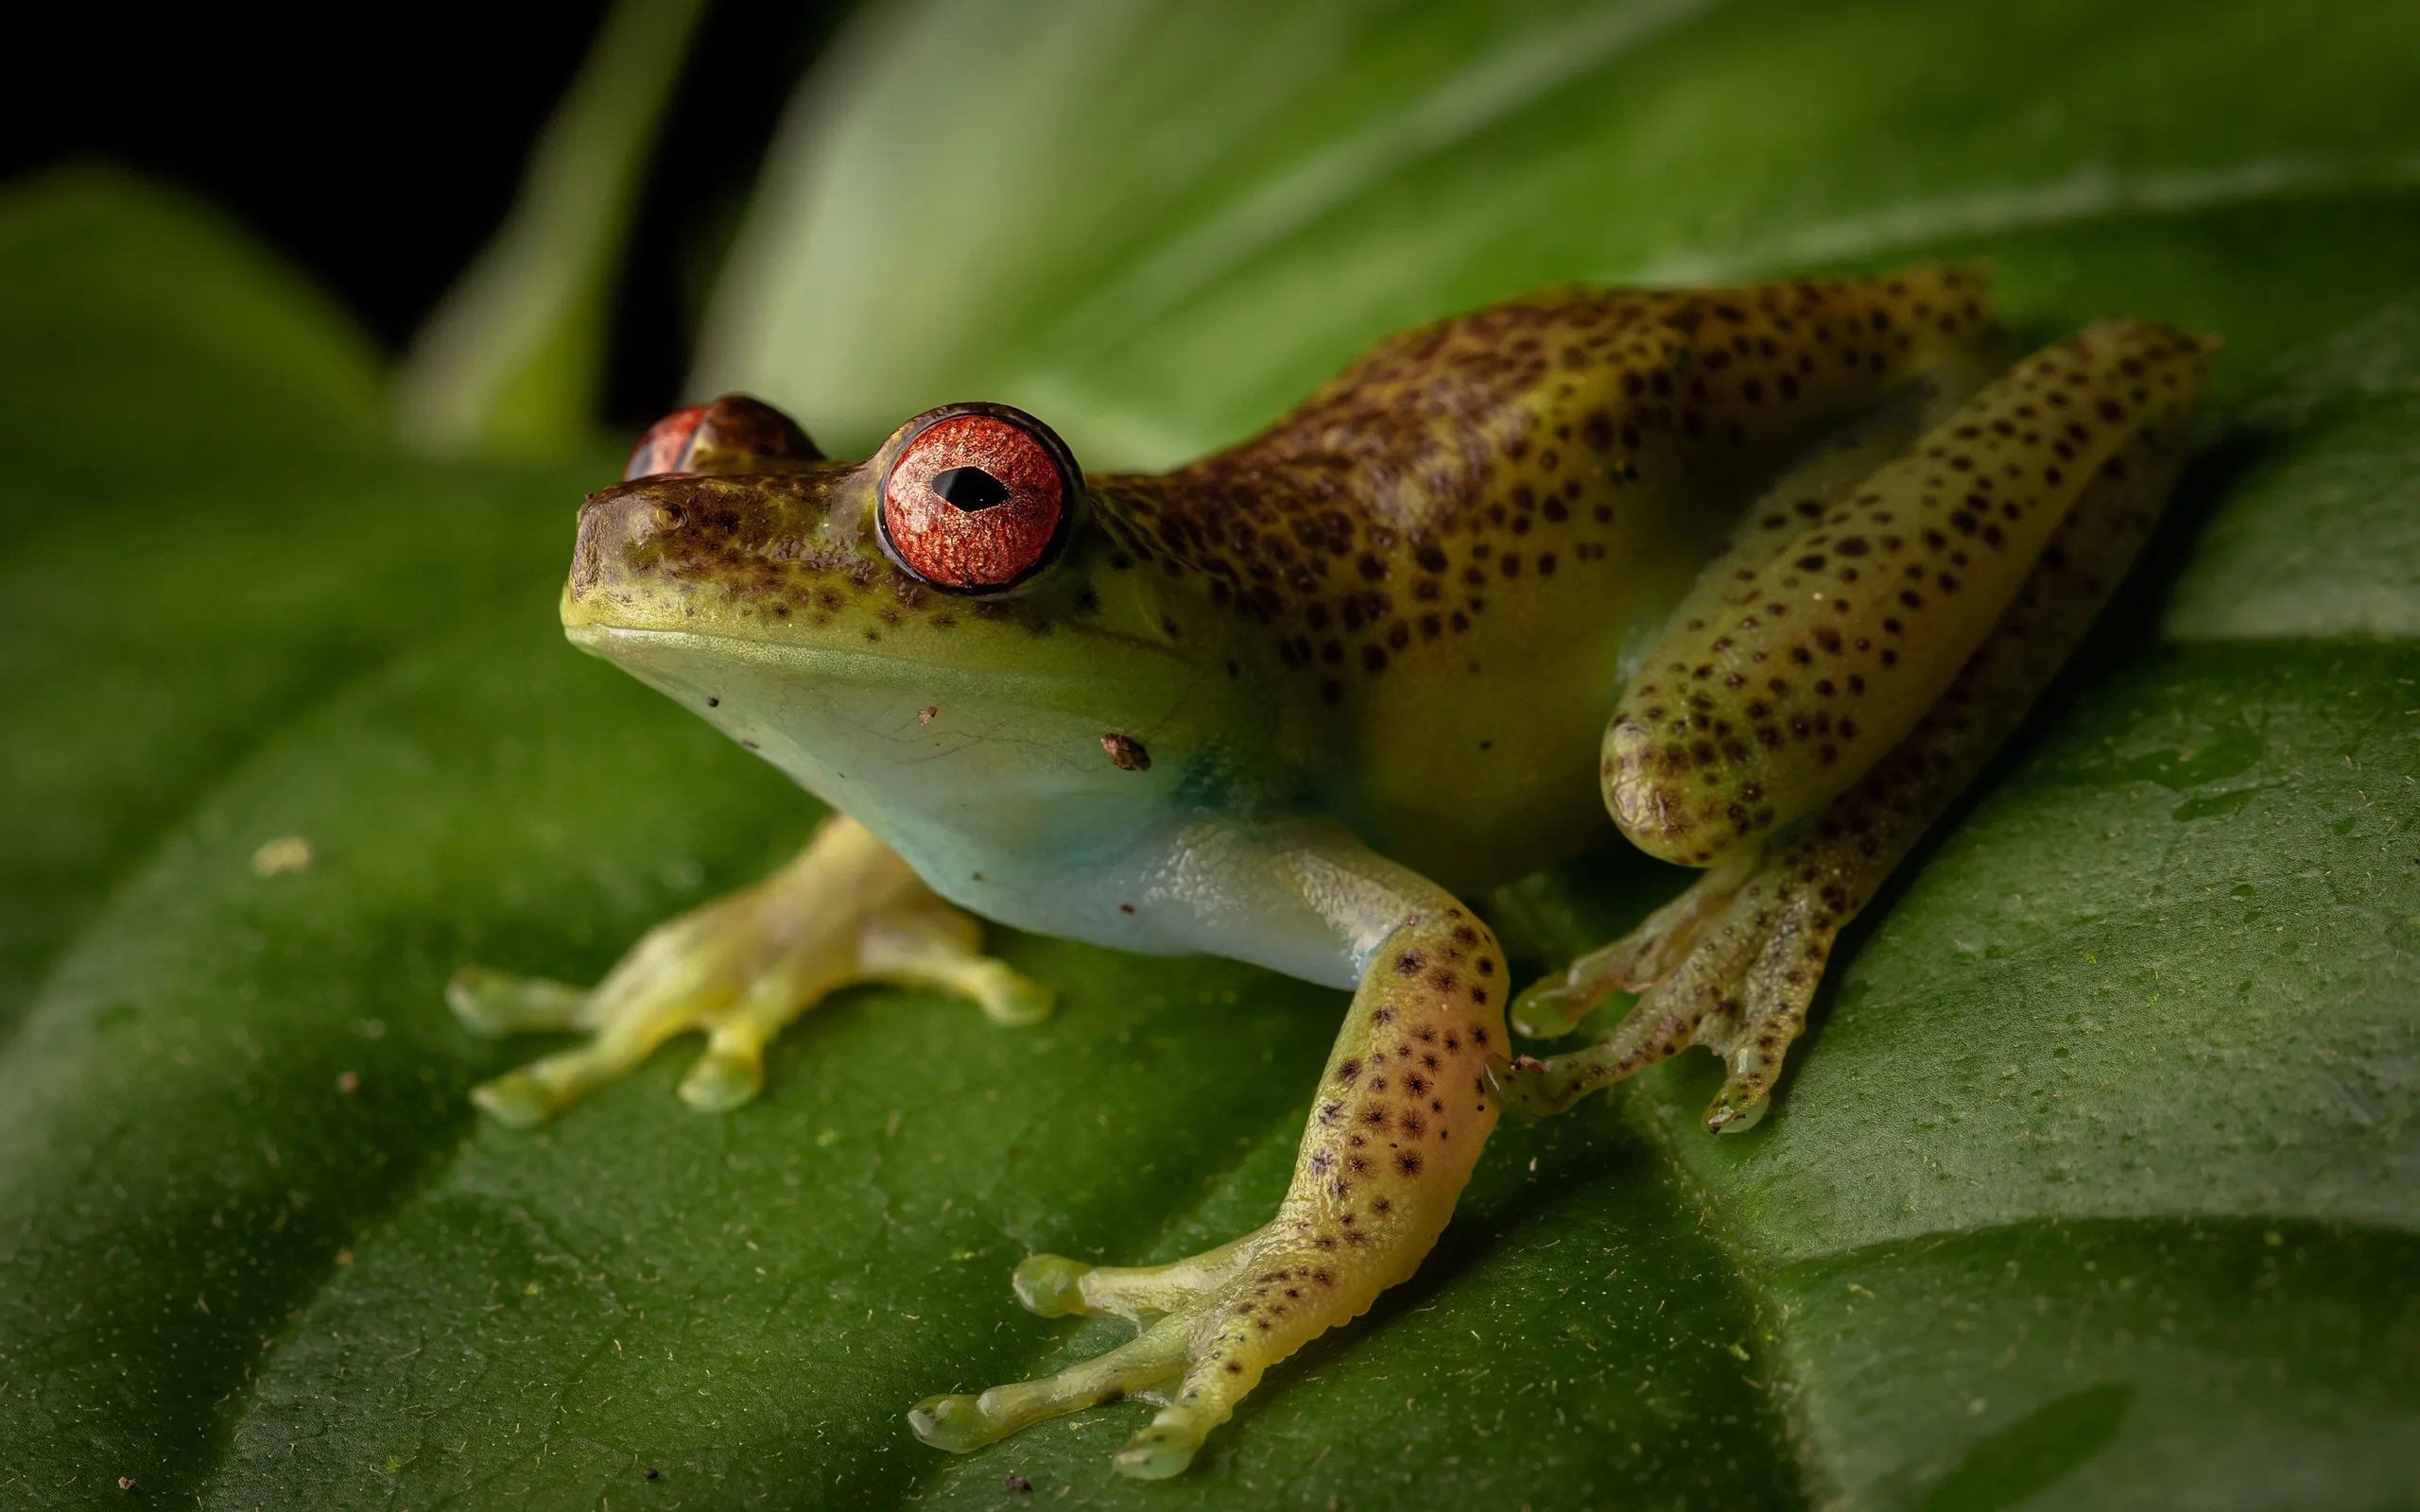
{"x": 1159, "y": 225}
{"x": 2088, "y": 1188}
{"x": 514, "y": 359}
{"x": 141, "y": 336}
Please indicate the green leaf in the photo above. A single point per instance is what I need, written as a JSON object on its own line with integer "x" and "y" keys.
{"x": 514, "y": 359}
{"x": 1180, "y": 221}
{"x": 141, "y": 334}
{"x": 2090, "y": 1185}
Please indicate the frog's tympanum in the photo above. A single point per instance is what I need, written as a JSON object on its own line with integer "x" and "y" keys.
{"x": 1767, "y": 573}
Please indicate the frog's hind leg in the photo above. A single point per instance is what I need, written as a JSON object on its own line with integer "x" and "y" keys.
{"x": 1755, "y": 950}
{"x": 1767, "y": 528}
{"x": 1402, "y": 1112}
{"x": 847, "y": 909}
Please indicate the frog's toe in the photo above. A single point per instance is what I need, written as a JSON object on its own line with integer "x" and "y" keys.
{"x": 1661, "y": 945}
{"x": 496, "y": 1004}
{"x": 1223, "y": 1318}
{"x": 1735, "y": 1113}
{"x": 938, "y": 948}
{"x": 1741, "y": 990}
{"x": 728, "y": 1076}
{"x": 1052, "y": 1286}
{"x": 1155, "y": 1453}
{"x": 535, "y": 1092}
{"x": 1010, "y": 999}
{"x": 1055, "y": 1286}
{"x": 1554, "y": 1006}
{"x": 516, "y": 1099}
{"x": 959, "y": 1422}
{"x": 1778, "y": 991}
{"x": 1530, "y": 1088}
{"x": 954, "y": 1422}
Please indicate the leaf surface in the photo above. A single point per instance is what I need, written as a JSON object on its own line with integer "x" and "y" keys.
{"x": 2089, "y": 1188}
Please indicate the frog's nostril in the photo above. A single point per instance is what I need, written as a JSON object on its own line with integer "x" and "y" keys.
{"x": 615, "y": 523}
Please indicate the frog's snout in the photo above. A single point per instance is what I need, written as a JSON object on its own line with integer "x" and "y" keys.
{"x": 615, "y": 527}
{"x": 642, "y": 548}
{"x": 680, "y": 550}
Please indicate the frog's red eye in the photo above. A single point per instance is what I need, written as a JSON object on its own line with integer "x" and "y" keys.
{"x": 735, "y": 434}
{"x": 666, "y": 445}
{"x": 977, "y": 497}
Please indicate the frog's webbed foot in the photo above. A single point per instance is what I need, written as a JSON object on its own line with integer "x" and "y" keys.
{"x": 1402, "y": 1112}
{"x": 1553, "y": 1005}
{"x": 1731, "y": 964}
{"x": 847, "y": 910}
{"x": 1216, "y": 1322}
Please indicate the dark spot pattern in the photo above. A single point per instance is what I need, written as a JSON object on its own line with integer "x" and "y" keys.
{"x": 1810, "y": 886}
{"x": 1408, "y": 478}
{"x": 1699, "y": 759}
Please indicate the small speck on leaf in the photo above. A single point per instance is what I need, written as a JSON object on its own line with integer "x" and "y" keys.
{"x": 278, "y": 857}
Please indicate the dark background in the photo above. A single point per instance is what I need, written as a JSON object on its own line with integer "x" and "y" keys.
{"x": 383, "y": 152}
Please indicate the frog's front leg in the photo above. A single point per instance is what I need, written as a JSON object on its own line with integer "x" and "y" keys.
{"x": 847, "y": 909}
{"x": 1401, "y": 1114}
{"x": 1852, "y": 683}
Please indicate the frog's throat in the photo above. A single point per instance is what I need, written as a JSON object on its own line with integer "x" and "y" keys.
{"x": 1096, "y": 693}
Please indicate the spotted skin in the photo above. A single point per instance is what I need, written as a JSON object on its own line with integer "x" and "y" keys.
{"x": 1543, "y": 473}
{"x": 1401, "y": 1114}
{"x": 1526, "y": 476}
{"x": 1733, "y": 965}
{"x": 1812, "y": 546}
{"x": 1784, "y": 679}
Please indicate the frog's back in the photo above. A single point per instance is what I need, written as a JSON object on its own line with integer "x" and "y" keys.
{"x": 1452, "y": 544}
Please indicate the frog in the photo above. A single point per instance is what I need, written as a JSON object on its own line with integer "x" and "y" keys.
{"x": 1762, "y": 573}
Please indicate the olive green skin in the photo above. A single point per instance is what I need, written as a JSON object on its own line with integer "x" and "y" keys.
{"x": 1763, "y": 574}
{"x": 1409, "y": 606}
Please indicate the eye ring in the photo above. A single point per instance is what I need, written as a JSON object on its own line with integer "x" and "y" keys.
{"x": 976, "y": 498}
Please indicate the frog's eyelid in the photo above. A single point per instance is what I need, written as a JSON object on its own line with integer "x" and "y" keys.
{"x": 739, "y": 432}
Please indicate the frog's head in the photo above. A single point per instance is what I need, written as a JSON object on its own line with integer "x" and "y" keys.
{"x": 957, "y": 621}
{"x": 728, "y": 520}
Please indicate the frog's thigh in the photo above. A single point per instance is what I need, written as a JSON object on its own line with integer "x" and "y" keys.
{"x": 1402, "y": 1112}
{"x": 846, "y": 909}
{"x": 1791, "y": 670}
{"x": 1743, "y": 985}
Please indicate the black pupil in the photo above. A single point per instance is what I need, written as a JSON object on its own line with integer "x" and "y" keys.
{"x": 970, "y": 489}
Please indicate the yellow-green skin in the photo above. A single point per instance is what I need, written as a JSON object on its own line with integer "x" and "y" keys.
{"x": 1679, "y": 556}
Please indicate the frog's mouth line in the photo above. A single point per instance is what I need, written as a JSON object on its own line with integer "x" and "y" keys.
{"x": 1095, "y": 695}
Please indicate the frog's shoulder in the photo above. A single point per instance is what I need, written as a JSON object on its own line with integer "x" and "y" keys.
{"x": 1416, "y": 425}
{"x": 1401, "y": 447}
{"x": 1469, "y": 424}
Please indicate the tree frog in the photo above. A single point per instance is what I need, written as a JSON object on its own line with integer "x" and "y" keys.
{"x": 1765, "y": 572}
